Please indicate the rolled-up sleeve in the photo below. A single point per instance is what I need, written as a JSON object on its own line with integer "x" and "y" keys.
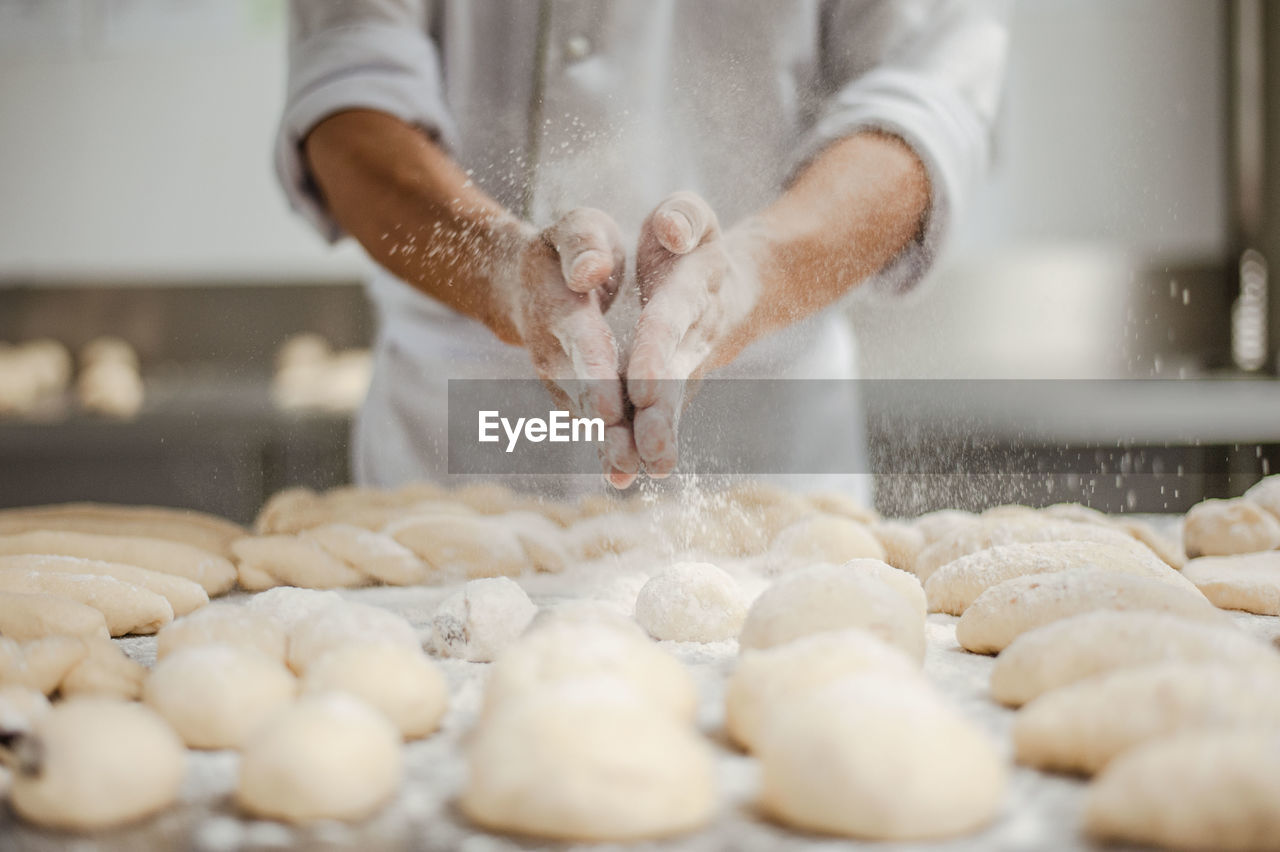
{"x": 930, "y": 72}
{"x": 354, "y": 54}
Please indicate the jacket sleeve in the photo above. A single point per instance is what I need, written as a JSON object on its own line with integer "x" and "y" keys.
{"x": 930, "y": 72}
{"x": 354, "y": 54}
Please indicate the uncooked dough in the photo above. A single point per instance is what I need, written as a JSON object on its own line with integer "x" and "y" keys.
{"x": 350, "y": 623}
{"x": 215, "y": 574}
{"x": 1093, "y": 643}
{"x": 587, "y": 611}
{"x": 183, "y": 595}
{"x": 400, "y": 682}
{"x": 287, "y": 606}
{"x": 218, "y": 695}
{"x": 1248, "y": 581}
{"x": 692, "y": 602}
{"x": 572, "y": 651}
{"x": 767, "y": 679}
{"x": 1082, "y": 726}
{"x": 40, "y": 664}
{"x": 34, "y": 616}
{"x": 902, "y": 543}
{"x": 127, "y": 608}
{"x": 479, "y": 620}
{"x": 1266, "y": 493}
{"x": 879, "y": 757}
{"x": 903, "y": 582}
{"x": 543, "y": 540}
{"x": 327, "y": 756}
{"x": 461, "y": 546}
{"x": 829, "y": 597}
{"x": 106, "y": 670}
{"x": 230, "y": 623}
{"x": 588, "y": 760}
{"x": 1004, "y": 612}
{"x": 822, "y": 538}
{"x": 1228, "y": 527}
{"x": 112, "y": 388}
{"x": 266, "y": 561}
{"x": 379, "y": 557}
{"x": 956, "y": 585}
{"x": 990, "y": 532}
{"x": 204, "y": 531}
{"x": 101, "y": 763}
{"x": 941, "y": 523}
{"x": 1223, "y": 796}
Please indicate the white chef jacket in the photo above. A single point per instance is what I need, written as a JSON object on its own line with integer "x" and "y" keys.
{"x": 556, "y": 104}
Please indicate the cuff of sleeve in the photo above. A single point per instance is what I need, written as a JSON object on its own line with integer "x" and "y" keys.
{"x": 383, "y": 68}
{"x": 945, "y": 133}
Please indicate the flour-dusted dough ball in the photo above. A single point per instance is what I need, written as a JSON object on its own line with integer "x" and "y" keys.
{"x": 829, "y": 597}
{"x": 1228, "y": 527}
{"x": 400, "y": 682}
{"x": 1247, "y": 581}
{"x": 99, "y": 763}
{"x": 1082, "y": 726}
{"x": 34, "y": 616}
{"x": 126, "y": 607}
{"x": 328, "y": 755}
{"x": 937, "y": 525}
{"x": 692, "y": 602}
{"x": 230, "y": 623}
{"x": 287, "y": 606}
{"x": 956, "y": 585}
{"x": 1266, "y": 493}
{"x": 567, "y": 651}
{"x": 479, "y": 620}
{"x": 1168, "y": 546}
{"x": 349, "y": 624}
{"x": 902, "y": 543}
{"x": 379, "y": 557}
{"x": 992, "y": 532}
{"x": 461, "y": 546}
{"x": 1005, "y": 611}
{"x": 40, "y": 664}
{"x": 1223, "y": 794}
{"x": 879, "y": 757}
{"x": 216, "y": 695}
{"x": 1093, "y": 643}
{"x": 902, "y": 582}
{"x": 822, "y": 538}
{"x": 106, "y": 671}
{"x": 588, "y": 760}
{"x": 762, "y": 681}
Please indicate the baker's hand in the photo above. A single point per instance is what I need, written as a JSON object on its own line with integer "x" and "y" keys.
{"x": 564, "y": 279}
{"x": 697, "y": 286}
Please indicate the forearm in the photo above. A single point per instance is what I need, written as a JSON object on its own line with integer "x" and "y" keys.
{"x": 846, "y": 217}
{"x": 415, "y": 211}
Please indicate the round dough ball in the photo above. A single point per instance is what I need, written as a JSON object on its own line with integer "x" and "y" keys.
{"x": 941, "y": 523}
{"x": 481, "y": 619}
{"x": 902, "y": 582}
{"x": 1224, "y": 798}
{"x": 692, "y": 602}
{"x": 881, "y": 758}
{"x": 588, "y": 760}
{"x": 902, "y": 543}
{"x": 327, "y": 756}
{"x": 1246, "y": 581}
{"x": 822, "y": 538}
{"x": 1266, "y": 493}
{"x": 400, "y": 682}
{"x": 764, "y": 680}
{"x": 1228, "y": 527}
{"x": 349, "y": 624}
{"x": 829, "y": 597}
{"x": 99, "y": 763}
{"x": 232, "y": 624}
{"x": 566, "y": 651}
{"x": 286, "y": 606}
{"x": 216, "y": 695}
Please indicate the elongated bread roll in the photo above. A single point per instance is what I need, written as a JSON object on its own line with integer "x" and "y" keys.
{"x": 35, "y": 616}
{"x": 215, "y": 574}
{"x": 40, "y": 664}
{"x": 105, "y": 670}
{"x": 266, "y": 561}
{"x": 377, "y": 556}
{"x": 127, "y": 608}
{"x": 183, "y": 595}
{"x": 198, "y": 529}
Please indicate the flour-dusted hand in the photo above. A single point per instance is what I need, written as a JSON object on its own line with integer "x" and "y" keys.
{"x": 698, "y": 285}
{"x": 555, "y": 294}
